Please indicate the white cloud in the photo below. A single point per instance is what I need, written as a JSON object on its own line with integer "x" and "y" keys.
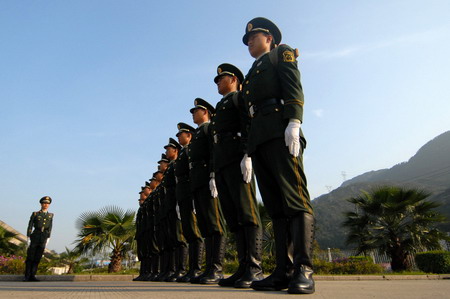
{"x": 318, "y": 112}
{"x": 413, "y": 38}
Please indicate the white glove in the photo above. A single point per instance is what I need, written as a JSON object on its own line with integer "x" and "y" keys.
{"x": 213, "y": 188}
{"x": 28, "y": 241}
{"x": 246, "y": 168}
{"x": 292, "y": 137}
{"x": 47, "y": 242}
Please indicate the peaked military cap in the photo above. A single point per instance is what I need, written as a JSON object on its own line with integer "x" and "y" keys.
{"x": 163, "y": 159}
{"x": 183, "y": 127}
{"x": 201, "y": 103}
{"x": 262, "y": 25}
{"x": 230, "y": 70}
{"x": 45, "y": 199}
{"x": 173, "y": 143}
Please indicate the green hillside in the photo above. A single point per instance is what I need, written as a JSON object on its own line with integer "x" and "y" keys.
{"x": 428, "y": 169}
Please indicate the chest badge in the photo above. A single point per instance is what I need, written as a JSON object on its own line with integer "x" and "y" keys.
{"x": 259, "y": 63}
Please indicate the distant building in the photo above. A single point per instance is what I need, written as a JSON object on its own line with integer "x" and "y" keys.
{"x": 19, "y": 238}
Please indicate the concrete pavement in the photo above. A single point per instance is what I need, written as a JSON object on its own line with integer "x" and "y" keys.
{"x": 348, "y": 289}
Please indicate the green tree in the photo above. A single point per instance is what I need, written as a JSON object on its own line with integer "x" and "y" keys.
{"x": 395, "y": 221}
{"x": 110, "y": 228}
{"x": 71, "y": 258}
{"x": 6, "y": 246}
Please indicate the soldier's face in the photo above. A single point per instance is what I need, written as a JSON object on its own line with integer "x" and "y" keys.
{"x": 145, "y": 193}
{"x": 184, "y": 138}
{"x": 258, "y": 44}
{"x": 170, "y": 153}
{"x": 224, "y": 84}
{"x": 163, "y": 166}
{"x": 44, "y": 206}
{"x": 199, "y": 116}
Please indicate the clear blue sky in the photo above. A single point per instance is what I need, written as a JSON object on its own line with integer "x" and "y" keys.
{"x": 90, "y": 91}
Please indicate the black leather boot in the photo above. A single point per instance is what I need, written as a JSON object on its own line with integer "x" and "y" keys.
{"x": 34, "y": 268}
{"x": 28, "y": 266}
{"x": 142, "y": 271}
{"x": 195, "y": 258}
{"x": 170, "y": 266}
{"x": 280, "y": 277}
{"x": 208, "y": 260}
{"x": 253, "y": 270}
{"x": 181, "y": 253}
{"x": 302, "y": 231}
{"x": 241, "y": 248}
{"x": 154, "y": 267}
{"x": 218, "y": 252}
{"x": 163, "y": 259}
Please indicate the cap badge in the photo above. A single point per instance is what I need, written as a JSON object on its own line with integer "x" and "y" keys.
{"x": 178, "y": 127}
{"x": 249, "y": 26}
{"x": 219, "y": 70}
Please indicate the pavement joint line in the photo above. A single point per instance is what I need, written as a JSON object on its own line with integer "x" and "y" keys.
{"x": 112, "y": 278}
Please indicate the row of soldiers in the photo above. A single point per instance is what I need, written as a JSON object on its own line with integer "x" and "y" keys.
{"x": 205, "y": 179}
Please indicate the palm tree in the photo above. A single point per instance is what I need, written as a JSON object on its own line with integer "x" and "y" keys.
{"x": 71, "y": 258}
{"x": 6, "y": 246}
{"x": 396, "y": 221}
{"x": 110, "y": 228}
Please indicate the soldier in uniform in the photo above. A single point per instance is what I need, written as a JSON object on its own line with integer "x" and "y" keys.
{"x": 273, "y": 95}
{"x": 190, "y": 227}
{"x": 236, "y": 194}
{"x": 152, "y": 244}
{"x": 176, "y": 241}
{"x": 166, "y": 197}
{"x": 38, "y": 234}
{"x": 208, "y": 209}
{"x": 141, "y": 237}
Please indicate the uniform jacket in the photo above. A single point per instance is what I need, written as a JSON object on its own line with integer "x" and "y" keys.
{"x": 182, "y": 165}
{"x": 265, "y": 81}
{"x": 42, "y": 224}
{"x": 200, "y": 157}
{"x": 226, "y": 128}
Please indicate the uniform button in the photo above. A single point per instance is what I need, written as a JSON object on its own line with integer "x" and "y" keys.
{"x": 223, "y": 108}
{"x": 246, "y": 82}
{"x": 249, "y": 103}
{"x": 213, "y": 122}
{"x": 257, "y": 71}
{"x": 247, "y": 92}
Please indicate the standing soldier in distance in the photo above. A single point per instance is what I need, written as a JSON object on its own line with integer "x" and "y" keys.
{"x": 141, "y": 238}
{"x": 152, "y": 240}
{"x": 38, "y": 231}
{"x": 189, "y": 223}
{"x": 273, "y": 94}
{"x": 209, "y": 214}
{"x": 236, "y": 194}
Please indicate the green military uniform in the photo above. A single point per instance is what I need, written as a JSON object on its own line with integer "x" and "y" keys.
{"x": 209, "y": 214}
{"x": 189, "y": 223}
{"x": 273, "y": 96}
{"x": 150, "y": 205}
{"x": 39, "y": 231}
{"x": 141, "y": 236}
{"x": 237, "y": 198}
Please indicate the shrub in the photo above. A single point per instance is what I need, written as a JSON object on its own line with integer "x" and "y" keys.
{"x": 12, "y": 265}
{"x": 230, "y": 266}
{"x": 352, "y": 265}
{"x": 434, "y": 261}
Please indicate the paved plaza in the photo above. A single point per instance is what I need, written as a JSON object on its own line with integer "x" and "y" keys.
{"x": 408, "y": 289}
